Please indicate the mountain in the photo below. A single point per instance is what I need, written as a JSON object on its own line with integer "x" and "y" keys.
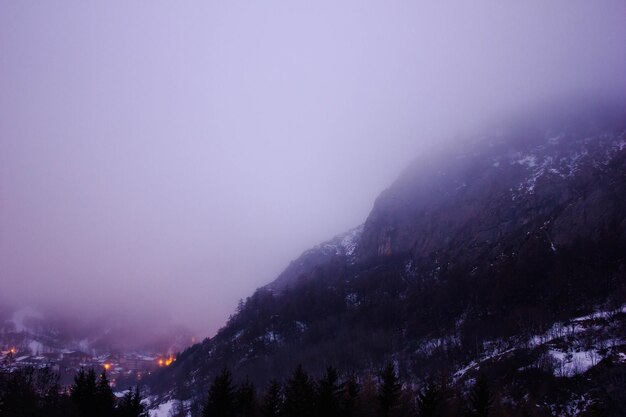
{"x": 502, "y": 255}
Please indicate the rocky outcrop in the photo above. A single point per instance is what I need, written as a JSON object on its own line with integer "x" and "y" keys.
{"x": 567, "y": 183}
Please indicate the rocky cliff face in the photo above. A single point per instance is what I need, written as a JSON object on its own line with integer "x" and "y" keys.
{"x": 566, "y": 182}
{"x": 468, "y": 256}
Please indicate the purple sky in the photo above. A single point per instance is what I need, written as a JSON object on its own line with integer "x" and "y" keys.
{"x": 169, "y": 157}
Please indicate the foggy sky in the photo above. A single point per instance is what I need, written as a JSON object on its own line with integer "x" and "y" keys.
{"x": 167, "y": 158}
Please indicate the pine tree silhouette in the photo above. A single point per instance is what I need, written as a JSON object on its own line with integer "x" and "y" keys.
{"x": 83, "y": 392}
{"x": 329, "y": 394}
{"x": 17, "y": 396}
{"x": 272, "y": 400}
{"x": 351, "y": 390}
{"x": 299, "y": 395}
{"x": 131, "y": 406}
{"x": 104, "y": 401}
{"x": 245, "y": 400}
{"x": 221, "y": 399}
{"x": 389, "y": 392}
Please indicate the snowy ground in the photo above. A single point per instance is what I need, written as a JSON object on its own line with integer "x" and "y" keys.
{"x": 163, "y": 410}
{"x": 570, "y": 360}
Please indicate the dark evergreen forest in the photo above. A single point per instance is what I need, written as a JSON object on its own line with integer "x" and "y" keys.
{"x": 37, "y": 393}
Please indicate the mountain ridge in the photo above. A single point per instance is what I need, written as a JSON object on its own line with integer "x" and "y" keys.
{"x": 490, "y": 245}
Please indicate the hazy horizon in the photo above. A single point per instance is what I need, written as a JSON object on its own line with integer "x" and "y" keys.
{"x": 166, "y": 160}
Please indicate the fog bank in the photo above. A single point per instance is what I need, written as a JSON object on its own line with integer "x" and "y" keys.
{"x": 166, "y": 159}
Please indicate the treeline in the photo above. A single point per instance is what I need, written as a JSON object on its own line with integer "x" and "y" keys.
{"x": 33, "y": 392}
{"x": 37, "y": 393}
{"x": 382, "y": 395}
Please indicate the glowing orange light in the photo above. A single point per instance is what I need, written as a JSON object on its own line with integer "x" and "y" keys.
{"x": 107, "y": 366}
{"x": 168, "y": 361}
{"x": 12, "y": 350}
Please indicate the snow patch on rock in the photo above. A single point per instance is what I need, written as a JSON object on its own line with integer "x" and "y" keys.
{"x": 343, "y": 244}
{"x": 564, "y": 158}
{"x": 164, "y": 409}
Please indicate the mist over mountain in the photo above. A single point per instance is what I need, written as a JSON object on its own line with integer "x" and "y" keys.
{"x": 170, "y": 159}
{"x": 474, "y": 260}
{"x": 35, "y": 332}
{"x": 380, "y": 206}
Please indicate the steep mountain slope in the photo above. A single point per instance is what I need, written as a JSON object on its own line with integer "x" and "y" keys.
{"x": 341, "y": 248}
{"x": 466, "y": 262}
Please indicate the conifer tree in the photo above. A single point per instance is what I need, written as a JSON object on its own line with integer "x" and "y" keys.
{"x": 388, "y": 392}
{"x": 329, "y": 394}
{"x": 31, "y": 391}
{"x": 245, "y": 399}
{"x": 178, "y": 409}
{"x": 17, "y": 396}
{"x": 221, "y": 400}
{"x": 299, "y": 395}
{"x": 367, "y": 406}
{"x": 131, "y": 406}
{"x": 272, "y": 400}
{"x": 351, "y": 390}
{"x": 83, "y": 392}
{"x": 104, "y": 401}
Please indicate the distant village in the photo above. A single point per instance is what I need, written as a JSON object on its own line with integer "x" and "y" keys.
{"x": 120, "y": 368}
